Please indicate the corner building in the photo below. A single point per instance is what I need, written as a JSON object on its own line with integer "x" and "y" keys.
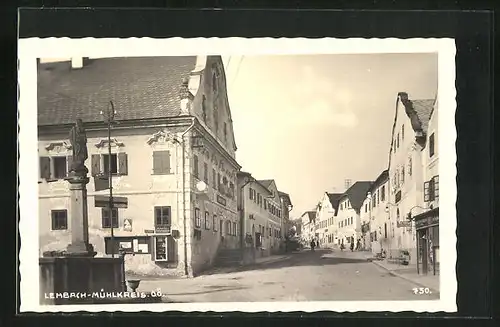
{"x": 175, "y": 130}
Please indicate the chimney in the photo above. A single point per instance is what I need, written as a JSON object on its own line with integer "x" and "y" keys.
{"x": 77, "y": 63}
{"x": 348, "y": 183}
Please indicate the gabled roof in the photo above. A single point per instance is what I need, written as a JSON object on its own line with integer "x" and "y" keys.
{"x": 382, "y": 178}
{"x": 357, "y": 193}
{"x": 334, "y": 199}
{"x": 266, "y": 182}
{"x": 285, "y": 196}
{"x": 310, "y": 214}
{"x": 140, "y": 88}
{"x": 419, "y": 113}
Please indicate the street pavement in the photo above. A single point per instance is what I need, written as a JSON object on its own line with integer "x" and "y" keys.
{"x": 322, "y": 275}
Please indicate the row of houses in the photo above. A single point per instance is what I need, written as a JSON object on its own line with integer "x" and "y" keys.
{"x": 172, "y": 156}
{"x": 398, "y": 210}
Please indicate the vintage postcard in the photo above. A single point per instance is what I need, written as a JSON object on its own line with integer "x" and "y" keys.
{"x": 237, "y": 175}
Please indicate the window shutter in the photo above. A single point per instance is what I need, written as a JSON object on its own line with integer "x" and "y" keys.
{"x": 426, "y": 192}
{"x": 431, "y": 190}
{"x": 157, "y": 163}
{"x": 436, "y": 187}
{"x": 96, "y": 164}
{"x": 69, "y": 161}
{"x": 45, "y": 167}
{"x": 122, "y": 163}
{"x": 170, "y": 249}
{"x": 165, "y": 161}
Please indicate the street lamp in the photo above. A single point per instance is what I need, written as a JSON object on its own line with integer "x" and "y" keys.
{"x": 109, "y": 119}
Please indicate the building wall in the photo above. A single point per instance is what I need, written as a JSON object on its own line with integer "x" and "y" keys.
{"x": 346, "y": 228}
{"x": 374, "y": 211}
{"x": 405, "y": 176}
{"x": 256, "y": 216}
{"x": 325, "y": 223}
{"x": 143, "y": 189}
{"x": 274, "y": 219}
{"x": 431, "y": 164}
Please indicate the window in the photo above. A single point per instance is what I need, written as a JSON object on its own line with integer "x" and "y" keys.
{"x": 214, "y": 223}
{"x": 197, "y": 218}
{"x": 398, "y": 196}
{"x": 235, "y": 230}
{"x": 205, "y": 172}
{"x": 207, "y": 220}
{"x": 214, "y": 82}
{"x": 106, "y": 219}
{"x": 59, "y": 219}
{"x": 161, "y": 162}
{"x": 54, "y": 167}
{"x": 431, "y": 145}
{"x": 216, "y": 119}
{"x": 231, "y": 190}
{"x": 431, "y": 189}
{"x": 119, "y": 164}
{"x": 219, "y": 184}
{"x": 114, "y": 163}
{"x": 397, "y": 142}
{"x": 250, "y": 193}
{"x": 195, "y": 165}
{"x": 366, "y": 207}
{"x": 382, "y": 193}
{"x": 163, "y": 218}
{"x": 204, "y": 108}
{"x": 265, "y": 204}
{"x": 60, "y": 166}
{"x": 402, "y": 174}
{"x": 410, "y": 165}
{"x": 214, "y": 178}
{"x": 402, "y": 132}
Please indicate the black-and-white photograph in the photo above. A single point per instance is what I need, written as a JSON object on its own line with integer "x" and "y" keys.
{"x": 208, "y": 178}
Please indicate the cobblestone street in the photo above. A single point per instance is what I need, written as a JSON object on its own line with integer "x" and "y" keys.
{"x": 323, "y": 275}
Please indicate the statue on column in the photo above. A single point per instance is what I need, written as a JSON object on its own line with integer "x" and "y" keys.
{"x": 78, "y": 140}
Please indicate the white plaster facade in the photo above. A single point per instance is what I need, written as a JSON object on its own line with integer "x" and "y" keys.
{"x": 194, "y": 224}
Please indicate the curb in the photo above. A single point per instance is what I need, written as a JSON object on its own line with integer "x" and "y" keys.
{"x": 404, "y": 277}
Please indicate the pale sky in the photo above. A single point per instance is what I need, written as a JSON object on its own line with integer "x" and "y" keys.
{"x": 310, "y": 122}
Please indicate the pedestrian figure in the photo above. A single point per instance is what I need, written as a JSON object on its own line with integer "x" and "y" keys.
{"x": 352, "y": 246}
{"x": 342, "y": 247}
{"x": 358, "y": 246}
{"x": 313, "y": 245}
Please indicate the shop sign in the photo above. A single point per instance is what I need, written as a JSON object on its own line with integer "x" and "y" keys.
{"x": 404, "y": 223}
{"x": 429, "y": 221}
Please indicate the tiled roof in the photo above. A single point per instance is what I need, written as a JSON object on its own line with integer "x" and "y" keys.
{"x": 384, "y": 176}
{"x": 285, "y": 196}
{"x": 266, "y": 182}
{"x": 424, "y": 110}
{"x": 357, "y": 193}
{"x": 140, "y": 88}
{"x": 312, "y": 215}
{"x": 334, "y": 199}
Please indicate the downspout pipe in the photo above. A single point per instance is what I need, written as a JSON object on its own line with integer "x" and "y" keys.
{"x": 183, "y": 144}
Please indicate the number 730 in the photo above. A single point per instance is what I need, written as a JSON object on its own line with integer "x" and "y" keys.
{"x": 421, "y": 290}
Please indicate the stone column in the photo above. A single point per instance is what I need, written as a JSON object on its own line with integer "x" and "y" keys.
{"x": 79, "y": 245}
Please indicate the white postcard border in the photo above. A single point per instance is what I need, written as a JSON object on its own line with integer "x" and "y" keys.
{"x": 32, "y": 48}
